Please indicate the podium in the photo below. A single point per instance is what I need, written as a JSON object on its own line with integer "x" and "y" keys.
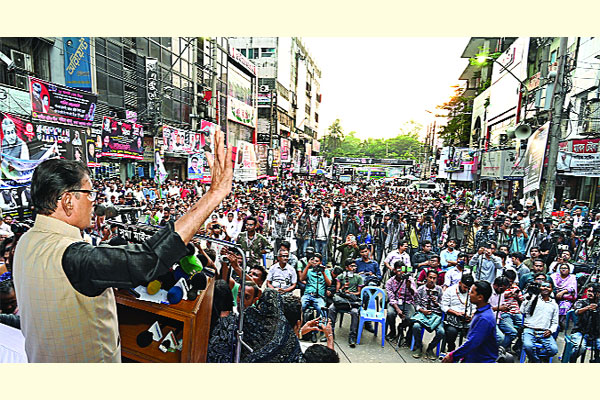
{"x": 191, "y": 318}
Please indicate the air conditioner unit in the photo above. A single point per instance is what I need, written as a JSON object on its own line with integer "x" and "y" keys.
{"x": 21, "y": 81}
{"x": 22, "y": 61}
{"x": 264, "y": 89}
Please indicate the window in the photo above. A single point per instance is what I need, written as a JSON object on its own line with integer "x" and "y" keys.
{"x": 267, "y": 52}
{"x": 243, "y": 51}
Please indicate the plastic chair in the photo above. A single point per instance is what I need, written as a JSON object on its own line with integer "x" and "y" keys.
{"x": 375, "y": 310}
{"x": 569, "y": 341}
{"x": 537, "y": 346}
{"x": 439, "y": 345}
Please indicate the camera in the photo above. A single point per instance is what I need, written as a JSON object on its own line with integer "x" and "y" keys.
{"x": 486, "y": 222}
{"x": 224, "y": 260}
{"x": 318, "y": 268}
{"x": 584, "y": 230}
{"x": 533, "y": 289}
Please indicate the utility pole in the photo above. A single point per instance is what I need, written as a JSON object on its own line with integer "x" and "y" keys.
{"x": 213, "y": 99}
{"x": 557, "y": 99}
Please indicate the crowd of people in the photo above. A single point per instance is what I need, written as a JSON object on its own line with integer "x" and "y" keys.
{"x": 311, "y": 245}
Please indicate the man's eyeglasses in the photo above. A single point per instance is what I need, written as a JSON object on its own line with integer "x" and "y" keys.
{"x": 91, "y": 194}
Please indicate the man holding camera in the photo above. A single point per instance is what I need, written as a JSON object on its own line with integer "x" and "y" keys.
{"x": 541, "y": 321}
{"x": 367, "y": 267}
{"x": 348, "y": 287}
{"x": 458, "y": 312}
{"x": 485, "y": 264}
{"x": 400, "y": 290}
{"x": 317, "y": 279}
{"x": 587, "y": 329}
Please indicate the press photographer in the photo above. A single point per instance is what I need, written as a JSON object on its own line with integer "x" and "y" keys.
{"x": 541, "y": 321}
{"x": 400, "y": 290}
{"x": 347, "y": 299}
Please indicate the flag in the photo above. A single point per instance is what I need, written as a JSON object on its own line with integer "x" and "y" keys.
{"x": 161, "y": 173}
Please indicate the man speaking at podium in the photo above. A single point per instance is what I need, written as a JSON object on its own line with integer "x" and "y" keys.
{"x": 64, "y": 285}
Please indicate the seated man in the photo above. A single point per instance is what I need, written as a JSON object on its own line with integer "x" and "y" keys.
{"x": 302, "y": 263}
{"x": 433, "y": 263}
{"x": 348, "y": 288}
{"x": 317, "y": 279}
{"x": 541, "y": 321}
{"x": 511, "y": 319}
{"x": 455, "y": 303}
{"x": 401, "y": 254}
{"x": 428, "y": 316}
{"x": 367, "y": 267}
{"x": 420, "y": 260}
{"x": 586, "y": 330}
{"x": 501, "y": 283}
{"x": 400, "y": 290}
{"x": 282, "y": 277}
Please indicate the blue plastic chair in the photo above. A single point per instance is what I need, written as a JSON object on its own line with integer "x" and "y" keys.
{"x": 374, "y": 311}
{"x": 569, "y": 342}
{"x": 439, "y": 345}
{"x": 537, "y": 346}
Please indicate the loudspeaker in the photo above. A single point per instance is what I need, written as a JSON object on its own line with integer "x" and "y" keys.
{"x": 522, "y": 132}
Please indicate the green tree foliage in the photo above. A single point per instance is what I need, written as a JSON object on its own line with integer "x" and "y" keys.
{"x": 459, "y": 109}
{"x": 406, "y": 145}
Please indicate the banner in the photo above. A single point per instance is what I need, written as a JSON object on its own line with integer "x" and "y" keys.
{"x": 209, "y": 129}
{"x": 285, "y": 150}
{"x": 196, "y": 165}
{"x": 148, "y": 155}
{"x": 184, "y": 142}
{"x": 77, "y": 62}
{"x": 14, "y": 101}
{"x": 93, "y": 145}
{"x": 152, "y": 105}
{"x": 261, "y": 155}
{"x": 56, "y": 103}
{"x": 24, "y": 146}
{"x": 579, "y": 157}
{"x": 245, "y": 162}
{"x": 122, "y": 139}
{"x": 534, "y": 157}
{"x": 161, "y": 173}
{"x": 240, "y": 112}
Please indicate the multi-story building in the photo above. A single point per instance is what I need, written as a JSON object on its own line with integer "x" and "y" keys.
{"x": 288, "y": 98}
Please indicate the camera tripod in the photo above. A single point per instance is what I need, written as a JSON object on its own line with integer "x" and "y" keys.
{"x": 334, "y": 238}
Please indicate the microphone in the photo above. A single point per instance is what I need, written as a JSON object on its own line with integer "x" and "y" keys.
{"x": 113, "y": 211}
{"x": 175, "y": 295}
{"x": 144, "y": 339}
{"x": 165, "y": 281}
{"x": 197, "y": 283}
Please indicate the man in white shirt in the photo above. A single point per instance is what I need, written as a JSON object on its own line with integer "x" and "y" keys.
{"x": 5, "y": 229}
{"x": 232, "y": 226}
{"x": 541, "y": 321}
{"x": 455, "y": 303}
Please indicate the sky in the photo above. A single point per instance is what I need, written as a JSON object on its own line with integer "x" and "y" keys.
{"x": 374, "y": 85}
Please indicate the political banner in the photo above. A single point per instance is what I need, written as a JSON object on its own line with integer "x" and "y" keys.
{"x": 122, "y": 139}
{"x": 56, "y": 103}
{"x": 209, "y": 129}
{"x": 181, "y": 141}
{"x": 153, "y": 103}
{"x": 285, "y": 150}
{"x": 77, "y": 62}
{"x": 24, "y": 145}
{"x": 534, "y": 156}
{"x": 196, "y": 166}
{"x": 245, "y": 162}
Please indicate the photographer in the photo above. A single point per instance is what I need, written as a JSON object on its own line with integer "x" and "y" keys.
{"x": 348, "y": 249}
{"x": 484, "y": 264}
{"x": 518, "y": 241}
{"x": 421, "y": 259}
{"x": 253, "y": 243}
{"x": 347, "y": 299}
{"x": 510, "y": 314}
{"x": 317, "y": 279}
{"x": 455, "y": 304}
{"x": 587, "y": 329}
{"x": 400, "y": 290}
{"x": 367, "y": 267}
{"x": 280, "y": 229}
{"x": 541, "y": 321}
{"x": 428, "y": 315}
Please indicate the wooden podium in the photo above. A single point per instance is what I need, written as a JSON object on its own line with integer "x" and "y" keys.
{"x": 191, "y": 317}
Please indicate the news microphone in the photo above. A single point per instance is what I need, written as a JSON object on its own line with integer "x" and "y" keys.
{"x": 175, "y": 295}
{"x": 113, "y": 211}
{"x": 197, "y": 283}
{"x": 165, "y": 281}
{"x": 144, "y": 339}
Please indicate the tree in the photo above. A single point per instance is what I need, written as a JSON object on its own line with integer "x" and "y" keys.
{"x": 459, "y": 109}
{"x": 406, "y": 145}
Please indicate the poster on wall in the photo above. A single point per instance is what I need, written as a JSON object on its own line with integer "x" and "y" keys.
{"x": 24, "y": 146}
{"x": 152, "y": 85}
{"x": 285, "y": 150}
{"x": 534, "y": 158}
{"x": 77, "y": 62}
{"x": 56, "y": 103}
{"x": 196, "y": 165}
{"x": 245, "y": 162}
{"x": 240, "y": 112}
{"x": 122, "y": 139}
{"x": 93, "y": 144}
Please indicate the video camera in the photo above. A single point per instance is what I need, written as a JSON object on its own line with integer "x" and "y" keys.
{"x": 584, "y": 230}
